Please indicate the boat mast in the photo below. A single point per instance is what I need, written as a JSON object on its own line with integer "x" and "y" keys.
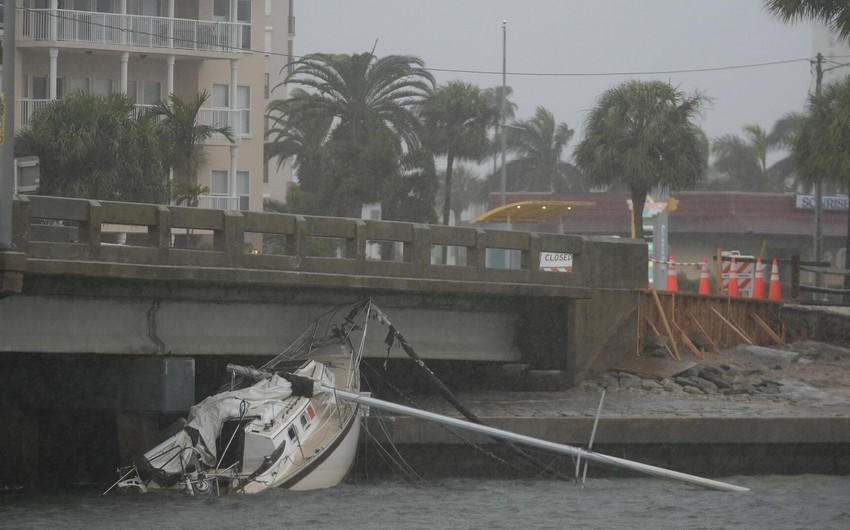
{"x": 533, "y": 442}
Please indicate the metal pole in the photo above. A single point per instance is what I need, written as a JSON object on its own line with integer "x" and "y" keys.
{"x": 7, "y": 150}
{"x": 528, "y": 440}
{"x": 818, "y": 242}
{"x": 502, "y": 109}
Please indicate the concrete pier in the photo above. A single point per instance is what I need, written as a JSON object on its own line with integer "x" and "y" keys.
{"x": 710, "y": 436}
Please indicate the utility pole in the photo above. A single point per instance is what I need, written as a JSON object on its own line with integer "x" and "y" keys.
{"x": 818, "y": 242}
{"x": 502, "y": 111}
{"x": 7, "y": 145}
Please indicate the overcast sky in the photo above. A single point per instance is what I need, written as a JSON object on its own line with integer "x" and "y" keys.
{"x": 568, "y": 44}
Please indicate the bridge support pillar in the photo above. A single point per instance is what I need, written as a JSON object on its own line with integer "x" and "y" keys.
{"x": 12, "y": 268}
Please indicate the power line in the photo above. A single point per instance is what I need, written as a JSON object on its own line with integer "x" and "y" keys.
{"x": 446, "y": 70}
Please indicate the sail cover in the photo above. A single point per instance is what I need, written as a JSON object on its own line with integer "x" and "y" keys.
{"x": 264, "y": 399}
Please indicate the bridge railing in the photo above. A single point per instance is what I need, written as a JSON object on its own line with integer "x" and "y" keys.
{"x": 54, "y": 228}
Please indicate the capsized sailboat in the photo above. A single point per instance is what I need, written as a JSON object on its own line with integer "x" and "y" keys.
{"x": 300, "y": 429}
{"x": 269, "y": 428}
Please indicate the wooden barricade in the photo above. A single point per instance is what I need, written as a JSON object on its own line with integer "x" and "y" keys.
{"x": 697, "y": 324}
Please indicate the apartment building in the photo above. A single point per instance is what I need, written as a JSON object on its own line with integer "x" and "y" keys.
{"x": 234, "y": 50}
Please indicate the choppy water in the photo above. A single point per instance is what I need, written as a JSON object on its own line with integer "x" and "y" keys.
{"x": 804, "y": 502}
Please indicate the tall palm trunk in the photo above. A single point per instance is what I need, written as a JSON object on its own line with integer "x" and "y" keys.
{"x": 638, "y": 200}
{"x": 447, "y": 202}
{"x": 846, "y": 296}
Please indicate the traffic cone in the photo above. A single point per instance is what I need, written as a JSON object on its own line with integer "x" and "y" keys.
{"x": 758, "y": 281}
{"x": 732, "y": 286}
{"x": 775, "y": 292}
{"x": 672, "y": 279}
{"x": 704, "y": 285}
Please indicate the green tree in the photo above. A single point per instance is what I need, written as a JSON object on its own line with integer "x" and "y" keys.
{"x": 743, "y": 161}
{"x": 412, "y": 198}
{"x": 835, "y": 14}
{"x": 456, "y": 116}
{"x": 467, "y": 189}
{"x": 368, "y": 100}
{"x": 178, "y": 119}
{"x": 820, "y": 149}
{"x": 642, "y": 134}
{"x": 299, "y": 138}
{"x": 95, "y": 147}
{"x": 539, "y": 144}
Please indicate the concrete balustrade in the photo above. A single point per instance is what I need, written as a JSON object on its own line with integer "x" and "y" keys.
{"x": 322, "y": 250}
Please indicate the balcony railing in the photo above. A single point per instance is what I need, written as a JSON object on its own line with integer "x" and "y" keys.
{"x": 27, "y": 108}
{"x": 130, "y": 30}
{"x": 218, "y": 202}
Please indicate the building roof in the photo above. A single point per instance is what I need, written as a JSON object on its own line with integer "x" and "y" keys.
{"x": 697, "y": 212}
{"x": 532, "y": 211}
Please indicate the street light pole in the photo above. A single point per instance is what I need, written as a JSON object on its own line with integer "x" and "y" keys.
{"x": 7, "y": 149}
{"x": 818, "y": 243}
{"x": 502, "y": 112}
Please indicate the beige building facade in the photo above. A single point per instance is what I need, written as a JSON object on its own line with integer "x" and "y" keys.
{"x": 233, "y": 50}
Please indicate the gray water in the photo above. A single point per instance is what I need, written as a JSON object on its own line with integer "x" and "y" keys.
{"x": 805, "y": 502}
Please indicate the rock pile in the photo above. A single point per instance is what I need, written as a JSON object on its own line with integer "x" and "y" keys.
{"x": 699, "y": 380}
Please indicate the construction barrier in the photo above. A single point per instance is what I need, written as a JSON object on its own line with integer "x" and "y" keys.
{"x": 743, "y": 272}
{"x": 672, "y": 277}
{"x": 697, "y": 325}
{"x": 758, "y": 282}
{"x": 704, "y": 283}
{"x": 751, "y": 275}
{"x": 732, "y": 287}
{"x": 775, "y": 292}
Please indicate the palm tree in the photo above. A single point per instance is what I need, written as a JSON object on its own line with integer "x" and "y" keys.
{"x": 642, "y": 134}
{"x": 366, "y": 103}
{"x": 456, "y": 116}
{"x": 297, "y": 137}
{"x": 494, "y": 94}
{"x": 94, "y": 147}
{"x": 360, "y": 89}
{"x": 467, "y": 189}
{"x": 539, "y": 145}
{"x": 178, "y": 118}
{"x": 820, "y": 147}
{"x": 744, "y": 160}
{"x": 835, "y": 14}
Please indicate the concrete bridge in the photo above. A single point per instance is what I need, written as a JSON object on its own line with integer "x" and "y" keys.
{"x": 142, "y": 279}
{"x": 115, "y": 315}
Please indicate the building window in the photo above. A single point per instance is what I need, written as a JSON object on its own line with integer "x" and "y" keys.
{"x": 220, "y": 96}
{"x": 219, "y": 182}
{"x": 102, "y": 86}
{"x": 152, "y": 92}
{"x": 79, "y": 83}
{"x": 266, "y": 85}
{"x": 267, "y": 44}
{"x": 243, "y": 189}
{"x": 243, "y": 103}
{"x": 243, "y": 15}
{"x": 221, "y": 10}
{"x": 41, "y": 87}
{"x": 149, "y": 8}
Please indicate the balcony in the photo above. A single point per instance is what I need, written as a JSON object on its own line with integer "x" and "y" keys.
{"x": 237, "y": 119}
{"x": 110, "y": 29}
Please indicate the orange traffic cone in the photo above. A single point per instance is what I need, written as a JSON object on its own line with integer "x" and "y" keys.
{"x": 704, "y": 285}
{"x": 758, "y": 281}
{"x": 775, "y": 292}
{"x": 672, "y": 279}
{"x": 732, "y": 286}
